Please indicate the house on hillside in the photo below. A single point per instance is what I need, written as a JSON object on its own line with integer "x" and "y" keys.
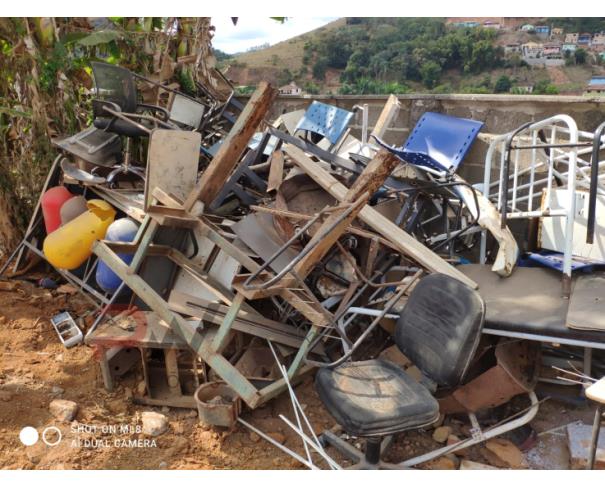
{"x": 596, "y": 86}
{"x": 571, "y": 48}
{"x": 542, "y": 30}
{"x": 584, "y": 39}
{"x": 598, "y": 41}
{"x": 512, "y": 48}
{"x": 528, "y": 28}
{"x": 552, "y": 51}
{"x": 571, "y": 38}
{"x": 522, "y": 89}
{"x": 556, "y": 31}
{"x": 290, "y": 89}
{"x": 468, "y": 24}
{"x": 531, "y": 50}
{"x": 490, "y": 24}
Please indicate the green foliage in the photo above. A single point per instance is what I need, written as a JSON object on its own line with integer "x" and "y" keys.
{"x": 401, "y": 50}
{"x": 430, "y": 72}
{"x": 516, "y": 61}
{"x": 443, "y": 89}
{"x": 186, "y": 81}
{"x": 311, "y": 88}
{"x": 244, "y": 90}
{"x": 284, "y": 77}
{"x": 580, "y": 56}
{"x": 544, "y": 87}
{"x": 368, "y": 86}
{"x": 57, "y": 60}
{"x": 100, "y": 37}
{"x": 578, "y": 24}
{"x": 483, "y": 87}
{"x": 503, "y": 84}
{"x": 319, "y": 68}
{"x": 221, "y": 55}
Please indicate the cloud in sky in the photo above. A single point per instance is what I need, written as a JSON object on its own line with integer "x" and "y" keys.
{"x": 255, "y": 31}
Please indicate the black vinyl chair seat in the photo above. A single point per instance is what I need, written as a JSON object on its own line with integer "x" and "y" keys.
{"x": 375, "y": 398}
{"x": 120, "y": 127}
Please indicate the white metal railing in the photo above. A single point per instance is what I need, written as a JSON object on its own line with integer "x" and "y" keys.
{"x": 541, "y": 156}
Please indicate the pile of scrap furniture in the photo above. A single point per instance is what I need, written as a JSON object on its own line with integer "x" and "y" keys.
{"x": 227, "y": 257}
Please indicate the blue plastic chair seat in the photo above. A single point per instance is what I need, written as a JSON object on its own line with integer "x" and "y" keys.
{"x": 326, "y": 120}
{"x": 438, "y": 142}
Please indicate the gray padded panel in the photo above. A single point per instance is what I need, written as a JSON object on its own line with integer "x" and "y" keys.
{"x": 440, "y": 327}
{"x": 375, "y": 398}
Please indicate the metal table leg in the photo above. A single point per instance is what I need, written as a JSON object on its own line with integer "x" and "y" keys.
{"x": 596, "y": 427}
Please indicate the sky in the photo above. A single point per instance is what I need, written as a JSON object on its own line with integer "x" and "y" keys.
{"x": 255, "y": 31}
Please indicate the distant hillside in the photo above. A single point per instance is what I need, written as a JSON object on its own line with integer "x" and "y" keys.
{"x": 279, "y": 63}
{"x": 287, "y": 54}
{"x": 360, "y": 55}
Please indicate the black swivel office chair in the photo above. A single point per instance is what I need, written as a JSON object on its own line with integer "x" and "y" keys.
{"x": 438, "y": 330}
{"x": 116, "y": 109}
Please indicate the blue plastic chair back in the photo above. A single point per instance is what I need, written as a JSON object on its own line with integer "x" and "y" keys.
{"x": 438, "y": 142}
{"x": 326, "y": 120}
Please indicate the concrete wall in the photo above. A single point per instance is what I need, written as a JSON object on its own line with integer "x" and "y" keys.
{"x": 500, "y": 113}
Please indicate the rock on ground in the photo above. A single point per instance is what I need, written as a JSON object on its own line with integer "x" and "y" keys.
{"x": 506, "y": 453}
{"x": 441, "y": 434}
{"x": 154, "y": 424}
{"x": 63, "y": 410}
{"x": 447, "y": 462}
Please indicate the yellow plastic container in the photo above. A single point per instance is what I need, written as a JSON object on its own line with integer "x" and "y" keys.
{"x": 69, "y": 246}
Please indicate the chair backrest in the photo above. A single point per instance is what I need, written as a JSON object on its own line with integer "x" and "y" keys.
{"x": 438, "y": 142}
{"x": 440, "y": 327}
{"x": 115, "y": 84}
{"x": 186, "y": 111}
{"x": 326, "y": 120}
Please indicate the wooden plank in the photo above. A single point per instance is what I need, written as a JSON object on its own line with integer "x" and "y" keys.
{"x": 301, "y": 216}
{"x": 276, "y": 171}
{"x": 322, "y": 242}
{"x": 405, "y": 243}
{"x": 172, "y": 162}
{"x": 245, "y": 322}
{"x": 198, "y": 340}
{"x": 373, "y": 176}
{"x": 234, "y": 145}
{"x": 171, "y": 217}
{"x": 388, "y": 114}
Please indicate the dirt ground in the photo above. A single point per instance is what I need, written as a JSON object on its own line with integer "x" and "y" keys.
{"x": 35, "y": 369}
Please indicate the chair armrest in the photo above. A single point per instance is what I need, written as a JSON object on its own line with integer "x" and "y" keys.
{"x": 98, "y": 107}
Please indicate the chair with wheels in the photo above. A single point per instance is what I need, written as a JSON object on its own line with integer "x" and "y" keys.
{"x": 439, "y": 331}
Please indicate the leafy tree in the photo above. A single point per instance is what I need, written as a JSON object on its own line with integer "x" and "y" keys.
{"x": 311, "y": 88}
{"x": 503, "y": 84}
{"x": 319, "y": 68}
{"x": 580, "y": 56}
{"x": 430, "y": 72}
{"x": 544, "y": 87}
{"x": 284, "y": 77}
{"x": 221, "y": 55}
